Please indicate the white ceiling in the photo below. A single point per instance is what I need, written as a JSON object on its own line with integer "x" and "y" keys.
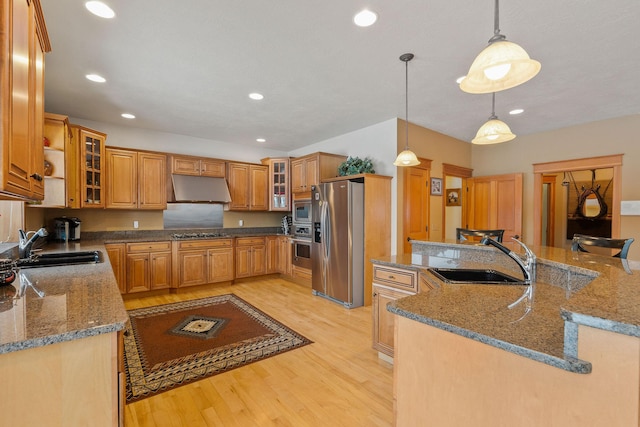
{"x": 186, "y": 67}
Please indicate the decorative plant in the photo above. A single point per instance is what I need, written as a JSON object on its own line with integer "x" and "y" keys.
{"x": 356, "y": 165}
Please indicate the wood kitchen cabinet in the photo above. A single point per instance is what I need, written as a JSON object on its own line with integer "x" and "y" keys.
{"x": 88, "y": 187}
{"x": 311, "y": 169}
{"x": 273, "y": 251}
{"x": 199, "y": 262}
{"x": 285, "y": 255}
{"x": 187, "y": 165}
{"x": 389, "y": 284}
{"x": 279, "y": 184}
{"x": 135, "y": 179}
{"x": 148, "y": 266}
{"x": 24, "y": 42}
{"x": 248, "y": 186}
{"x": 117, "y": 253}
{"x": 251, "y": 256}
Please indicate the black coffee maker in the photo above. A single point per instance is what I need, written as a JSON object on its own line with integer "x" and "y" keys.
{"x": 67, "y": 229}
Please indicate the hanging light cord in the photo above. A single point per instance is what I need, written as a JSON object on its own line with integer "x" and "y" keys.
{"x": 406, "y": 103}
{"x": 496, "y": 26}
{"x": 493, "y": 107}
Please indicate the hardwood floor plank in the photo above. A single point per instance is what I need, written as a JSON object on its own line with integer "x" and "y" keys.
{"x": 337, "y": 380}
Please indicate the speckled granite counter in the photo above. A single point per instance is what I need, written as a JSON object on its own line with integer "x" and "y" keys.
{"x": 79, "y": 301}
{"x": 571, "y": 289}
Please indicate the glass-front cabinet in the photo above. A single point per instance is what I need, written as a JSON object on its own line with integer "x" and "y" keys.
{"x": 92, "y": 155}
{"x": 279, "y": 185}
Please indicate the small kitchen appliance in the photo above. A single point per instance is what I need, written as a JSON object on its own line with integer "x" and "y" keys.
{"x": 66, "y": 229}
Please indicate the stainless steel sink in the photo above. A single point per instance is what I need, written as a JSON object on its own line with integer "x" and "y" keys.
{"x": 474, "y": 276}
{"x": 61, "y": 258}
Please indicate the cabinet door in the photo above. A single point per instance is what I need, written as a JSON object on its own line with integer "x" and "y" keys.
{"x": 37, "y": 168}
{"x": 273, "y": 254}
{"x": 258, "y": 187}
{"x": 160, "y": 270}
{"x": 185, "y": 166}
{"x": 92, "y": 151}
{"x": 258, "y": 260}
{"x": 117, "y": 258}
{"x": 312, "y": 175}
{"x": 122, "y": 179}
{"x": 383, "y": 320}
{"x": 239, "y": 185}
{"x": 297, "y": 176}
{"x": 279, "y": 183}
{"x": 243, "y": 261}
{"x": 193, "y": 268}
{"x": 152, "y": 183}
{"x": 220, "y": 265}
{"x": 212, "y": 167}
{"x": 138, "y": 273}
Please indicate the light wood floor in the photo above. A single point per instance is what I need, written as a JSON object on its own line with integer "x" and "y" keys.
{"x": 336, "y": 381}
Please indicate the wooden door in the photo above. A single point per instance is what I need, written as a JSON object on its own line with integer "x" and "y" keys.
{"x": 383, "y": 320}
{"x": 117, "y": 257}
{"x": 258, "y": 260}
{"x": 212, "y": 167}
{"x": 312, "y": 173}
{"x": 37, "y": 124}
{"x": 193, "y": 268}
{"x": 185, "y": 166}
{"x": 220, "y": 265}
{"x": 243, "y": 261}
{"x": 152, "y": 183}
{"x": 138, "y": 273}
{"x": 273, "y": 252}
{"x": 259, "y": 187}
{"x": 416, "y": 206}
{"x": 297, "y": 175}
{"x": 122, "y": 179}
{"x": 495, "y": 202}
{"x": 239, "y": 182}
{"x": 92, "y": 161}
{"x": 160, "y": 270}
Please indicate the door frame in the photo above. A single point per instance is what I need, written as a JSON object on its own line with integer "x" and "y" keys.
{"x": 613, "y": 161}
{"x": 551, "y": 208}
{"x": 458, "y": 172}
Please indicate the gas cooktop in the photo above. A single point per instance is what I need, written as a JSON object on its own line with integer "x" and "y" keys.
{"x": 185, "y": 236}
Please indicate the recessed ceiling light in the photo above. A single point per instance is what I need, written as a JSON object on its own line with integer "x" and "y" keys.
{"x": 460, "y": 79}
{"x": 95, "y": 78}
{"x": 516, "y": 111}
{"x": 100, "y": 9}
{"x": 365, "y": 18}
{"x": 256, "y": 96}
{"x": 261, "y": 140}
{"x": 128, "y": 116}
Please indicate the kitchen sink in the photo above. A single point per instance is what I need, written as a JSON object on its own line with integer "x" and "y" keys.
{"x": 477, "y": 276}
{"x": 60, "y": 258}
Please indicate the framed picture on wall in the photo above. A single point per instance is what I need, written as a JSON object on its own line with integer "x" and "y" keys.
{"x": 453, "y": 197}
{"x": 436, "y": 187}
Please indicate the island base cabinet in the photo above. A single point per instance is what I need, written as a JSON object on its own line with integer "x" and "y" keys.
{"x": 73, "y": 383}
{"x": 443, "y": 379}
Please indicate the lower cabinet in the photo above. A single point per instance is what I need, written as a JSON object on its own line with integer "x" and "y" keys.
{"x": 200, "y": 262}
{"x": 251, "y": 257}
{"x": 117, "y": 253}
{"x": 389, "y": 284}
{"x": 273, "y": 254}
{"x": 285, "y": 253}
{"x": 148, "y": 266}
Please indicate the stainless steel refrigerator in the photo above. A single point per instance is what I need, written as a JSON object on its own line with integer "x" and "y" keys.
{"x": 337, "y": 249}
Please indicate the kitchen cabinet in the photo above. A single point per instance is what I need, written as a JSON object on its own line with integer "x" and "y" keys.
{"x": 279, "y": 185}
{"x": 301, "y": 275}
{"x": 389, "y": 284}
{"x": 248, "y": 186}
{"x": 251, "y": 256}
{"x": 24, "y": 42}
{"x": 187, "y": 165}
{"x": 118, "y": 258}
{"x": 88, "y": 168}
{"x": 199, "y": 262}
{"x": 313, "y": 168}
{"x": 148, "y": 266}
{"x": 285, "y": 255}
{"x": 135, "y": 179}
{"x": 273, "y": 250}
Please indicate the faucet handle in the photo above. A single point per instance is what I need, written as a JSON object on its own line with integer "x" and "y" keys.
{"x": 530, "y": 255}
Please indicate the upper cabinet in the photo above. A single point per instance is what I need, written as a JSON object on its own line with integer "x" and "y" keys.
{"x": 89, "y": 187}
{"x": 311, "y": 169}
{"x": 135, "y": 180}
{"x": 248, "y": 186}
{"x": 24, "y": 41}
{"x": 279, "y": 184}
{"x": 57, "y": 145}
{"x": 186, "y": 165}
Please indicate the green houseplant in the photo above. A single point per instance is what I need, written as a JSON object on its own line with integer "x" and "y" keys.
{"x": 356, "y": 165}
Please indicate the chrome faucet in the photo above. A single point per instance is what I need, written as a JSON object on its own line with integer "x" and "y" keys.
{"x": 528, "y": 266}
{"x": 25, "y": 244}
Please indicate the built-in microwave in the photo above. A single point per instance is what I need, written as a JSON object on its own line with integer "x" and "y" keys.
{"x": 302, "y": 211}
{"x": 301, "y": 256}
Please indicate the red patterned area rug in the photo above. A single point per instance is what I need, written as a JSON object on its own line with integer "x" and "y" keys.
{"x": 170, "y": 345}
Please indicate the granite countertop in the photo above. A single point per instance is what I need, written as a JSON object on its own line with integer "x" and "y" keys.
{"x": 78, "y": 301}
{"x": 571, "y": 288}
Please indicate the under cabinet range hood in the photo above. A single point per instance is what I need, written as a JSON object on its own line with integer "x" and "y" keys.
{"x": 187, "y": 188}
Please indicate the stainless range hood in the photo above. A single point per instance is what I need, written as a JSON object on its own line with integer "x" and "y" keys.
{"x": 201, "y": 189}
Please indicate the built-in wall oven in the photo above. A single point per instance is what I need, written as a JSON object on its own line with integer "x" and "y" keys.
{"x": 301, "y": 256}
{"x": 301, "y": 211}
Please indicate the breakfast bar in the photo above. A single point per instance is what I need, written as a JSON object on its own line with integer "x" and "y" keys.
{"x": 564, "y": 350}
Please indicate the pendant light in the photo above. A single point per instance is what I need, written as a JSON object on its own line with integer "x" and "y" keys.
{"x": 501, "y": 65}
{"x": 493, "y": 131}
{"x": 407, "y": 157}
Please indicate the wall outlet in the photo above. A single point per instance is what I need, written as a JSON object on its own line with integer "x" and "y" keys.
{"x": 241, "y": 222}
{"x": 135, "y": 224}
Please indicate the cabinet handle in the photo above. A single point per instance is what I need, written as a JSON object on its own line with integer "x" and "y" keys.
{"x": 375, "y": 294}
{"x": 392, "y": 277}
{"x": 37, "y": 177}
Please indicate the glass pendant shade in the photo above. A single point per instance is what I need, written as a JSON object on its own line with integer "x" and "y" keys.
{"x": 500, "y": 66}
{"x": 406, "y": 158}
{"x": 493, "y": 131}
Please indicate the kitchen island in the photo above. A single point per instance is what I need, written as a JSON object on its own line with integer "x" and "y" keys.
{"x": 567, "y": 353}
{"x": 59, "y": 344}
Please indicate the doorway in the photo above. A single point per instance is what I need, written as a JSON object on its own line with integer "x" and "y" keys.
{"x": 415, "y": 206}
{"x": 456, "y": 201}
{"x": 548, "y": 209}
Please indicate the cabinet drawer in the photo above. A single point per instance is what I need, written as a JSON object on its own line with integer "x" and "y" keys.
{"x": 396, "y": 277}
{"x": 212, "y": 243}
{"x": 249, "y": 241}
{"x": 148, "y": 247}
